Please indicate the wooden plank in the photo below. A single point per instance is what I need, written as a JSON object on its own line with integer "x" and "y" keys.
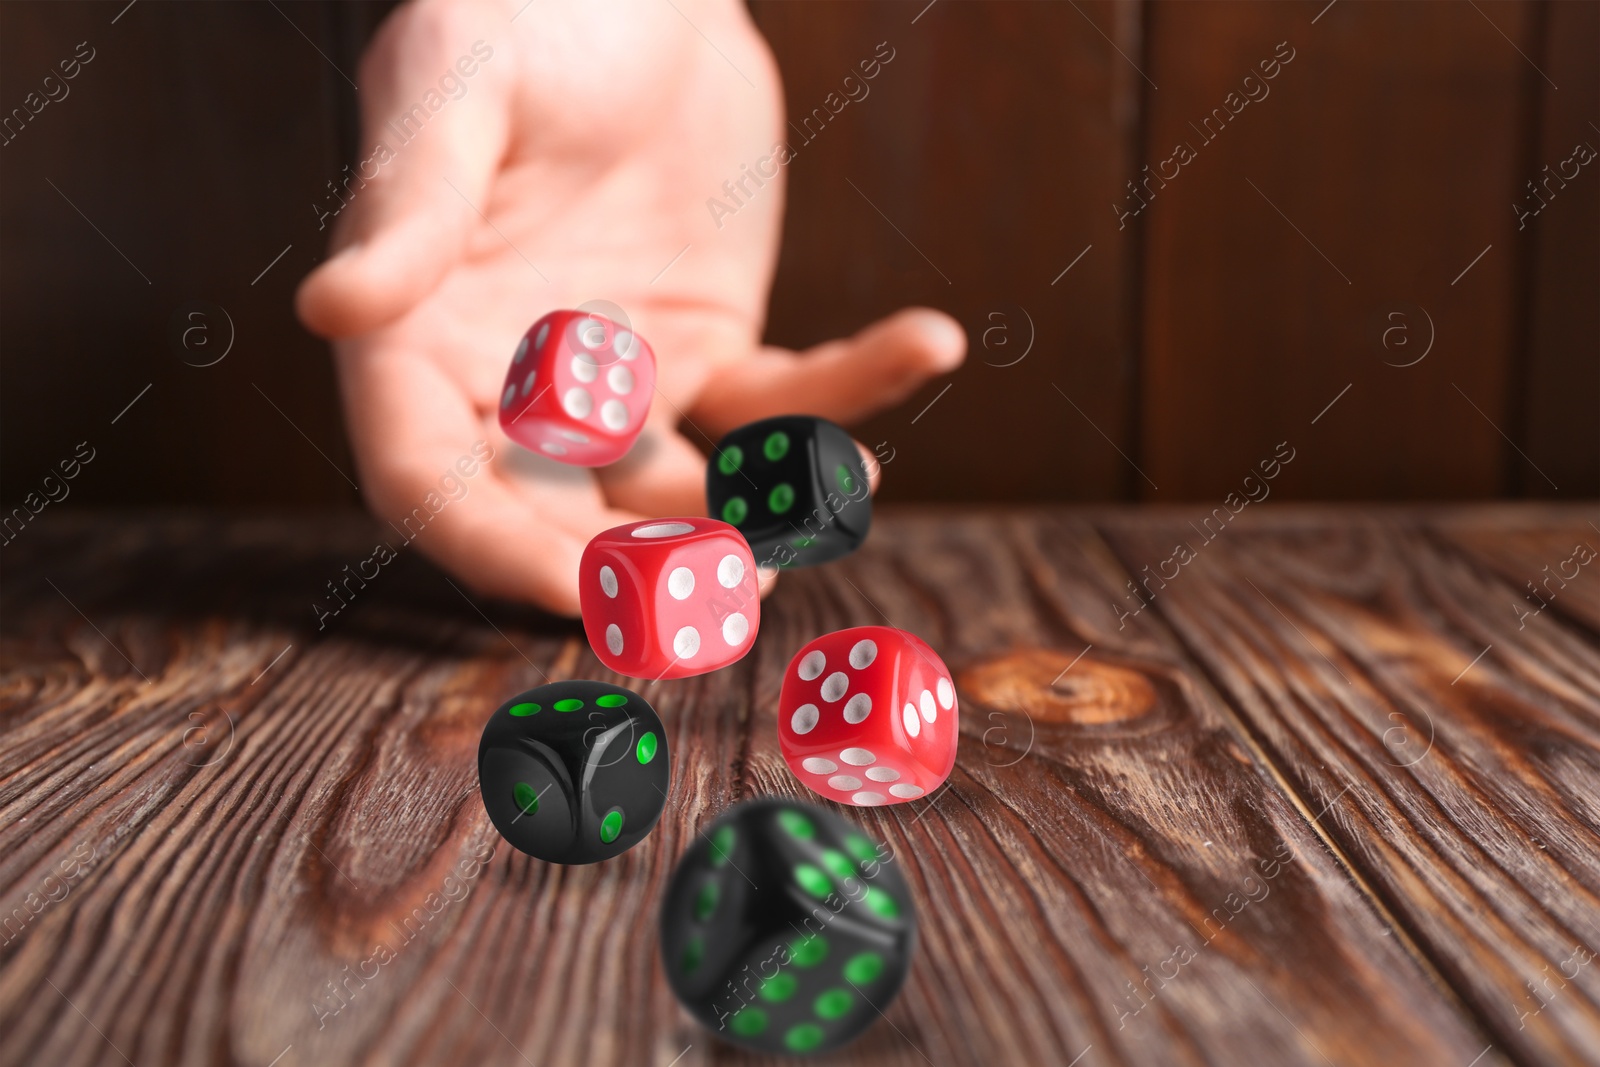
{"x": 1548, "y": 557}
{"x": 1562, "y": 353}
{"x": 1110, "y": 868}
{"x": 990, "y": 145}
{"x": 1367, "y": 175}
{"x": 1455, "y": 753}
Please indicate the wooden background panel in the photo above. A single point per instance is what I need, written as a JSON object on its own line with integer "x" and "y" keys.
{"x": 1388, "y": 149}
{"x": 235, "y": 874}
{"x": 1561, "y": 420}
{"x": 999, "y": 140}
{"x": 1454, "y": 756}
{"x": 992, "y": 143}
{"x": 196, "y": 140}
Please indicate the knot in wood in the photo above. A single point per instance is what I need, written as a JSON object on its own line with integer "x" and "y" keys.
{"x": 1047, "y": 686}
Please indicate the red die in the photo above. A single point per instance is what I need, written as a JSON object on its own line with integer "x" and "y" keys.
{"x": 868, "y": 716}
{"x": 668, "y": 598}
{"x": 579, "y": 389}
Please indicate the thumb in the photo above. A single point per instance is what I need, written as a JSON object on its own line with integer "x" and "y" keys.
{"x": 432, "y": 138}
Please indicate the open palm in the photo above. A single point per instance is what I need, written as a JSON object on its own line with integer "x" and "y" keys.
{"x": 573, "y": 167}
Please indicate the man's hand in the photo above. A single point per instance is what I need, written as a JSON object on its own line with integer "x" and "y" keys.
{"x": 575, "y": 166}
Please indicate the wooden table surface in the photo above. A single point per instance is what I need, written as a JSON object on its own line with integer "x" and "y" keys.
{"x": 1332, "y": 795}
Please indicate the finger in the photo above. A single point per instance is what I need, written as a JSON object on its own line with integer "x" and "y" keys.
{"x": 663, "y": 474}
{"x": 874, "y": 468}
{"x": 450, "y": 486}
{"x": 432, "y": 138}
{"x": 766, "y": 581}
{"x": 842, "y": 380}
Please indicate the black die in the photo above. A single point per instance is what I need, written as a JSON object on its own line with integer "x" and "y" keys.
{"x": 574, "y": 772}
{"x": 786, "y": 929}
{"x": 795, "y": 486}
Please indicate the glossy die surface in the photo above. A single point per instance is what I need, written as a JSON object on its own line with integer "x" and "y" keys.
{"x": 868, "y": 716}
{"x": 786, "y": 929}
{"x": 795, "y": 486}
{"x": 574, "y": 772}
{"x": 579, "y": 389}
{"x": 669, "y": 598}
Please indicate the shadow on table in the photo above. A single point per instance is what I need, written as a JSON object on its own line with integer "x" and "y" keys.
{"x": 317, "y": 575}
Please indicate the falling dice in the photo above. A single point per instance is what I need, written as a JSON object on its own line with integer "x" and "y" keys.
{"x": 669, "y": 598}
{"x": 579, "y": 389}
{"x": 868, "y": 716}
{"x": 795, "y": 486}
{"x": 786, "y": 929}
{"x": 574, "y": 772}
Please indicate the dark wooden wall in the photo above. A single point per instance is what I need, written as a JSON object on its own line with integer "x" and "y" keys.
{"x": 1328, "y": 221}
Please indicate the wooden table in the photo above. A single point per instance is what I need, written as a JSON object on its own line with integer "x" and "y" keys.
{"x": 1328, "y": 796}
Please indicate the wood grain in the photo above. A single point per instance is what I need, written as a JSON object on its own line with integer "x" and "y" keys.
{"x": 1547, "y": 558}
{"x": 1173, "y": 836}
{"x": 1454, "y": 751}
